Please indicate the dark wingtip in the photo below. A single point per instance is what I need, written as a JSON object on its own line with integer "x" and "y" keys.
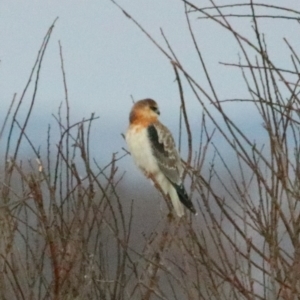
{"x": 184, "y": 199}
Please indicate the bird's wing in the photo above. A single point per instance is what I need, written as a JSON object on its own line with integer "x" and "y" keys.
{"x": 168, "y": 160}
{"x": 164, "y": 150}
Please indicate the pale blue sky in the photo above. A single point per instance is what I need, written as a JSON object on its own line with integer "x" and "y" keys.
{"x": 107, "y": 59}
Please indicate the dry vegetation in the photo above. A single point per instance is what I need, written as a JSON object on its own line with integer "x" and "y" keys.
{"x": 69, "y": 236}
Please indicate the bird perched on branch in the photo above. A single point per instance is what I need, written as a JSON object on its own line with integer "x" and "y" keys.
{"x": 153, "y": 149}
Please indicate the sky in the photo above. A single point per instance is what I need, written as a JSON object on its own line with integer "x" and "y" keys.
{"x": 108, "y": 61}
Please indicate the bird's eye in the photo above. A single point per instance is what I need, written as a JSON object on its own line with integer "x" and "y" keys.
{"x": 155, "y": 109}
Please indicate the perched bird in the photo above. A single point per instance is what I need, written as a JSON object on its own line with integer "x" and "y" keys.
{"x": 153, "y": 149}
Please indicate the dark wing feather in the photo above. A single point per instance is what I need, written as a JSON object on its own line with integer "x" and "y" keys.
{"x": 184, "y": 198}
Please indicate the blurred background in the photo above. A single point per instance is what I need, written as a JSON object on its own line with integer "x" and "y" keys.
{"x": 109, "y": 63}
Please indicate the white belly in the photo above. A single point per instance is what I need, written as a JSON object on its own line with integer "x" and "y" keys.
{"x": 140, "y": 148}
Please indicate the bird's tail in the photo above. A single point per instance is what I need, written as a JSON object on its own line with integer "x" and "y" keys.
{"x": 176, "y": 202}
{"x": 184, "y": 198}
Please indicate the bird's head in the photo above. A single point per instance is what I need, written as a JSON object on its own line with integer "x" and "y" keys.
{"x": 144, "y": 112}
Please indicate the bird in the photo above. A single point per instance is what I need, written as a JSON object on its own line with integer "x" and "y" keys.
{"x": 153, "y": 149}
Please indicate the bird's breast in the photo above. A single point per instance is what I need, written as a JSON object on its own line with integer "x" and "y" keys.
{"x": 139, "y": 145}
